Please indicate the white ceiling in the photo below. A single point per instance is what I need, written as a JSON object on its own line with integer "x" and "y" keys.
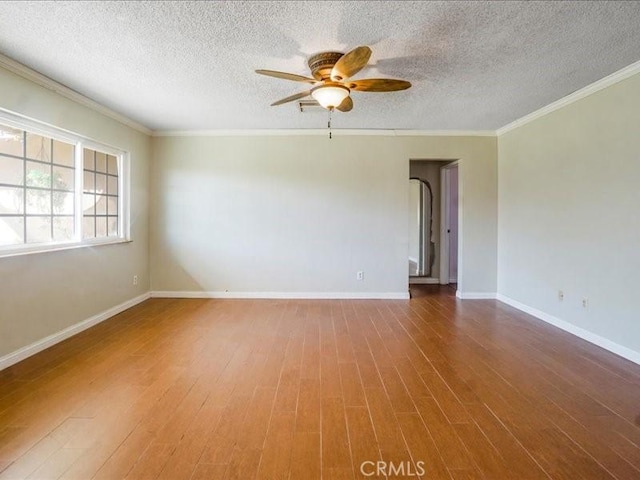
{"x": 190, "y": 65}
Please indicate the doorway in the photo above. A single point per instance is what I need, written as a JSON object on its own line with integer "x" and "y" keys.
{"x": 424, "y": 221}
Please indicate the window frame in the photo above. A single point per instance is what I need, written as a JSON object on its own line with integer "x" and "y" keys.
{"x": 79, "y": 142}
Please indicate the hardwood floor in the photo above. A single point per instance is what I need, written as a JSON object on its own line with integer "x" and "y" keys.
{"x": 430, "y": 388}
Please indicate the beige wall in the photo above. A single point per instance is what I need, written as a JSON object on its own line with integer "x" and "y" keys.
{"x": 569, "y": 196}
{"x": 42, "y": 294}
{"x": 305, "y": 213}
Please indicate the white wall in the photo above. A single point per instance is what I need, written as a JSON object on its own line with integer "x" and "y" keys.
{"x": 569, "y": 200}
{"x": 304, "y": 213}
{"x": 42, "y": 294}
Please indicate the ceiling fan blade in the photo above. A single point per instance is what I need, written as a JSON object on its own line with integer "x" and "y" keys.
{"x": 286, "y": 76}
{"x": 378, "y": 85}
{"x": 350, "y": 63}
{"x": 292, "y": 98}
{"x": 346, "y": 105}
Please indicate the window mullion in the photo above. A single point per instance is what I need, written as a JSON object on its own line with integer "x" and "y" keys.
{"x": 79, "y": 188}
{"x": 52, "y": 182}
{"x": 121, "y": 199}
{"x": 24, "y": 186}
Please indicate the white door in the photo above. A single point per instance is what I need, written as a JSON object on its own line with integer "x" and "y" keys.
{"x": 449, "y": 205}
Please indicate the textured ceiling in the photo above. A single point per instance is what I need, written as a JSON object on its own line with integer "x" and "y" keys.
{"x": 190, "y": 65}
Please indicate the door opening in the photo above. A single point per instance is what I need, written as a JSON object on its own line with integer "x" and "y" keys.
{"x": 425, "y": 220}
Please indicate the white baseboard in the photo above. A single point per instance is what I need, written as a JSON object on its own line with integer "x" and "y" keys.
{"x": 286, "y": 295}
{"x": 475, "y": 295}
{"x": 591, "y": 337}
{"x": 423, "y": 281}
{"x": 25, "y": 352}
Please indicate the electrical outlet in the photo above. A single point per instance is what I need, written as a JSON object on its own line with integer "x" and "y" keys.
{"x": 585, "y": 302}
{"x": 560, "y": 295}
{"x": 135, "y": 279}
{"x": 360, "y": 276}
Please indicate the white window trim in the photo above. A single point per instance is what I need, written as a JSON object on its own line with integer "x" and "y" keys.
{"x": 13, "y": 120}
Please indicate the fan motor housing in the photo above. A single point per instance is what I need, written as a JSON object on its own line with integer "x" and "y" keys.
{"x": 322, "y": 63}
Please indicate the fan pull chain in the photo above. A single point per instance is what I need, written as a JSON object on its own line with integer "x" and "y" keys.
{"x": 329, "y": 122}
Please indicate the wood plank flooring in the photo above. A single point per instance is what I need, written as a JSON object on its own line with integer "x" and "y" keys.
{"x": 432, "y": 388}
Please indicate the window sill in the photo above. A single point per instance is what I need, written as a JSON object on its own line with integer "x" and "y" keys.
{"x": 56, "y": 247}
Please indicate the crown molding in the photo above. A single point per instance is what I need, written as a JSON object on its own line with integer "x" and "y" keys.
{"x": 445, "y": 133}
{"x": 242, "y": 132}
{"x": 321, "y": 132}
{"x": 596, "y": 86}
{"x": 38, "y": 78}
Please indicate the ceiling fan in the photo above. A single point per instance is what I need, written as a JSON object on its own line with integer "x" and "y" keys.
{"x": 332, "y": 84}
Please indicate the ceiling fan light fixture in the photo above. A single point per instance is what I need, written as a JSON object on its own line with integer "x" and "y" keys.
{"x": 330, "y": 96}
{"x": 332, "y": 84}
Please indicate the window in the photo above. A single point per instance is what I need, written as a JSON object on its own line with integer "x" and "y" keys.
{"x": 100, "y": 194}
{"x": 57, "y": 190}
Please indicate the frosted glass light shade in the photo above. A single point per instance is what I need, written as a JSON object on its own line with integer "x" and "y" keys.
{"x": 330, "y": 96}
